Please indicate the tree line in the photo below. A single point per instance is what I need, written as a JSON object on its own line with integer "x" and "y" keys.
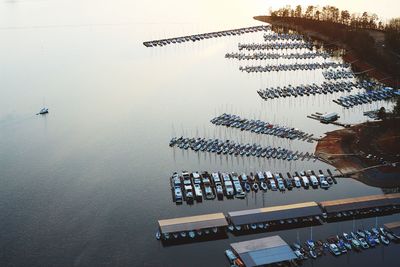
{"x": 351, "y": 29}
{"x": 332, "y": 14}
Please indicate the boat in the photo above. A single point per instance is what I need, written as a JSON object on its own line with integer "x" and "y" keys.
{"x": 384, "y": 240}
{"x": 264, "y": 186}
{"x": 192, "y": 234}
{"x": 199, "y": 232}
{"x": 238, "y": 227}
{"x": 166, "y": 236}
{"x": 43, "y": 111}
{"x": 230, "y": 255}
{"x": 247, "y": 187}
{"x": 313, "y": 254}
{"x": 334, "y": 249}
{"x": 158, "y": 235}
{"x": 255, "y": 187}
{"x": 231, "y": 227}
{"x": 253, "y": 226}
{"x": 175, "y": 235}
{"x": 361, "y": 233}
{"x": 363, "y": 243}
{"x": 183, "y": 234}
{"x": 214, "y": 230}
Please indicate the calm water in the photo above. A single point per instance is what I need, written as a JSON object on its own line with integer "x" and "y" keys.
{"x": 86, "y": 184}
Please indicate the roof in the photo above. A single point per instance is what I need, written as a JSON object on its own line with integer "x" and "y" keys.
{"x": 263, "y": 251}
{"x": 192, "y": 223}
{"x": 394, "y": 198}
{"x": 364, "y": 202}
{"x": 393, "y": 226}
{"x": 275, "y": 213}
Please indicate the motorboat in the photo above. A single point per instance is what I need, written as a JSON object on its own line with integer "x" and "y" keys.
{"x": 43, "y": 111}
{"x": 191, "y": 234}
{"x": 255, "y": 187}
{"x": 264, "y": 186}
{"x": 334, "y": 249}
{"x": 384, "y": 240}
{"x": 363, "y": 243}
{"x": 158, "y": 235}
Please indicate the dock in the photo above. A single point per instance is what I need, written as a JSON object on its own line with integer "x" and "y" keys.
{"x": 277, "y": 217}
{"x": 202, "y": 36}
{"x": 301, "y": 212}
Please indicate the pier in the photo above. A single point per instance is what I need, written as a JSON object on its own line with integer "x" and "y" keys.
{"x": 278, "y": 217}
{"x": 202, "y": 36}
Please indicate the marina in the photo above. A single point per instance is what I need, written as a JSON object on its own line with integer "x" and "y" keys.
{"x": 273, "y": 249}
{"x": 283, "y": 37}
{"x": 307, "y": 90}
{"x": 275, "y": 218}
{"x": 293, "y": 67}
{"x": 196, "y": 186}
{"x": 229, "y": 147}
{"x": 338, "y": 74}
{"x": 383, "y": 93}
{"x": 266, "y": 56}
{"x": 203, "y": 36}
{"x": 261, "y": 127}
{"x": 274, "y": 46}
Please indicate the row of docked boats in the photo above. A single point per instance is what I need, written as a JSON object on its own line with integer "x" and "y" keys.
{"x": 182, "y": 235}
{"x": 338, "y": 74}
{"x": 293, "y": 67}
{"x": 265, "y": 56}
{"x": 340, "y": 244}
{"x": 261, "y": 127}
{"x": 344, "y": 243}
{"x": 197, "y": 186}
{"x": 282, "y": 37}
{"x": 199, "y": 37}
{"x": 275, "y": 46}
{"x": 307, "y": 90}
{"x": 367, "y": 97}
{"x": 229, "y": 147}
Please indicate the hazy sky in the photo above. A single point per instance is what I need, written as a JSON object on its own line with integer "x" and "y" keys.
{"x": 223, "y": 13}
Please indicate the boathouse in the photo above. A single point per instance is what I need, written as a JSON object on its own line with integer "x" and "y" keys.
{"x": 276, "y": 213}
{"x": 263, "y": 251}
{"x": 357, "y": 204}
{"x": 192, "y": 223}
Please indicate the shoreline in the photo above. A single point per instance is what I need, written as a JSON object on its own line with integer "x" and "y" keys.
{"x": 347, "y": 150}
{"x": 349, "y": 57}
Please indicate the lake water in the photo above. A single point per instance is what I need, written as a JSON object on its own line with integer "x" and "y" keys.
{"x": 86, "y": 184}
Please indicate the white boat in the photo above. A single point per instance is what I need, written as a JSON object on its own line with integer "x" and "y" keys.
{"x": 43, "y": 111}
{"x": 158, "y": 235}
{"x": 192, "y": 234}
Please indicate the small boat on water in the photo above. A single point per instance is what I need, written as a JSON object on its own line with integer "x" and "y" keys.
{"x": 264, "y": 186}
{"x": 255, "y": 187}
{"x": 192, "y": 234}
{"x": 384, "y": 239}
{"x": 43, "y": 111}
{"x": 158, "y": 235}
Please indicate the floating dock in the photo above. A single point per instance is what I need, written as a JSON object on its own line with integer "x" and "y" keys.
{"x": 263, "y": 251}
{"x": 213, "y": 223}
{"x": 289, "y": 216}
{"x": 276, "y": 214}
{"x": 202, "y": 36}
